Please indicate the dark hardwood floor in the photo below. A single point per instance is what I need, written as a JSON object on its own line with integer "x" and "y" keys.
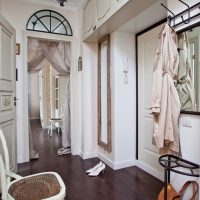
{"x": 125, "y": 184}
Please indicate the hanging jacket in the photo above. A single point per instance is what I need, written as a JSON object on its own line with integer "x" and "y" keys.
{"x": 184, "y": 85}
{"x": 165, "y": 103}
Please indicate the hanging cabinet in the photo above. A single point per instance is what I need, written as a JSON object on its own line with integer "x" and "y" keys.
{"x": 89, "y": 17}
{"x": 103, "y": 17}
{"x": 96, "y": 12}
{"x": 103, "y": 8}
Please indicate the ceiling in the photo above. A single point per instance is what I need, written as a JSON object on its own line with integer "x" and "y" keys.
{"x": 143, "y": 20}
{"x": 69, "y": 5}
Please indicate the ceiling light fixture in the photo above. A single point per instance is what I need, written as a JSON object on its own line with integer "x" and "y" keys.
{"x": 61, "y": 2}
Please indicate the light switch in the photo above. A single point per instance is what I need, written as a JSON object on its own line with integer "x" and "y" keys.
{"x": 187, "y": 122}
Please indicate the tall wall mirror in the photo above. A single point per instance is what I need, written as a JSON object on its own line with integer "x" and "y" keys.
{"x": 104, "y": 95}
{"x": 189, "y": 69}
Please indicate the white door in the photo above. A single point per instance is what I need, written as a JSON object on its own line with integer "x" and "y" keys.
{"x": 147, "y": 153}
{"x": 8, "y": 87}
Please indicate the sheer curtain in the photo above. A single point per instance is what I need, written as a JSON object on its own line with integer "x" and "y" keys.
{"x": 58, "y": 55}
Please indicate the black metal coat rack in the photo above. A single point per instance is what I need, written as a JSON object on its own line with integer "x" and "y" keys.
{"x": 188, "y": 11}
{"x": 177, "y": 165}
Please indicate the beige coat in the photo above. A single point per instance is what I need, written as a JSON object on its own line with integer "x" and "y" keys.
{"x": 165, "y": 103}
{"x": 184, "y": 85}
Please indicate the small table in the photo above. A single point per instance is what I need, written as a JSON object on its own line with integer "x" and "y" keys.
{"x": 52, "y": 122}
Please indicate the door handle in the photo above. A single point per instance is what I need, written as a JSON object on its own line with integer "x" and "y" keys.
{"x": 15, "y": 101}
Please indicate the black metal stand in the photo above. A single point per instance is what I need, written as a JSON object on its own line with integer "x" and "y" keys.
{"x": 176, "y": 165}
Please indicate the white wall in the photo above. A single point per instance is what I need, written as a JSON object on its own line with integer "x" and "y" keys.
{"x": 33, "y": 95}
{"x": 189, "y": 136}
{"x": 89, "y": 101}
{"x": 122, "y": 102}
{"x": 123, "y": 109}
{"x": 18, "y": 13}
{"x": 122, "y": 96}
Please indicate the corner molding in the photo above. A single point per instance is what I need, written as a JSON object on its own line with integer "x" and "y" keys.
{"x": 88, "y": 155}
{"x": 150, "y": 170}
{"x": 117, "y": 165}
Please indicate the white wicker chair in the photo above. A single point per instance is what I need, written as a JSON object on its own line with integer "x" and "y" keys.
{"x": 47, "y": 185}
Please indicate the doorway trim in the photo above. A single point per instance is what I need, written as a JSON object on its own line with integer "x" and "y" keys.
{"x": 140, "y": 163}
{"x": 75, "y": 135}
{"x": 137, "y": 83}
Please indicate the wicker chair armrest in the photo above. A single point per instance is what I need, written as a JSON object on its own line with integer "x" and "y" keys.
{"x": 13, "y": 175}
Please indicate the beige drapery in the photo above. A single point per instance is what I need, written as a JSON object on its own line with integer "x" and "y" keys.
{"x": 184, "y": 85}
{"x": 165, "y": 103}
{"x": 55, "y": 53}
{"x": 41, "y": 52}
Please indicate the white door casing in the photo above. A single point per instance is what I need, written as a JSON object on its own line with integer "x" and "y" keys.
{"x": 8, "y": 88}
{"x": 75, "y": 132}
{"x": 147, "y": 152}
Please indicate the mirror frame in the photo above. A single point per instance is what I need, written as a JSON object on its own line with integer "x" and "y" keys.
{"x": 179, "y": 32}
{"x": 106, "y": 146}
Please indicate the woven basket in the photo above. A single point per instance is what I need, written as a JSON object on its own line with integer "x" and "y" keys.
{"x": 35, "y": 188}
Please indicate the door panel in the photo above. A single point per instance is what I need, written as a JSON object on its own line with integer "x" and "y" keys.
{"x": 103, "y": 6}
{"x": 7, "y": 87}
{"x": 147, "y": 45}
{"x": 89, "y": 16}
{"x": 8, "y": 127}
{"x": 6, "y": 101}
{"x": 6, "y": 40}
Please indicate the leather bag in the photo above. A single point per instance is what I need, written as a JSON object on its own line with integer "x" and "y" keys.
{"x": 173, "y": 195}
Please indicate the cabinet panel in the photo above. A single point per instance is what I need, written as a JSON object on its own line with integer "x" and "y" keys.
{"x": 89, "y": 18}
{"x": 103, "y": 8}
{"x": 118, "y": 4}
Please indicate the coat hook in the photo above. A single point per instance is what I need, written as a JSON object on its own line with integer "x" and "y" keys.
{"x": 169, "y": 17}
{"x": 188, "y": 20}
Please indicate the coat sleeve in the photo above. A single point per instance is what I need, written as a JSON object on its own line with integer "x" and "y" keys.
{"x": 157, "y": 84}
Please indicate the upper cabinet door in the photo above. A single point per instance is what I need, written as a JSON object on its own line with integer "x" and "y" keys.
{"x": 119, "y": 4}
{"x": 103, "y": 8}
{"x": 89, "y": 16}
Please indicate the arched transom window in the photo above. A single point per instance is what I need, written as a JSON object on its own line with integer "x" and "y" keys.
{"x": 50, "y": 22}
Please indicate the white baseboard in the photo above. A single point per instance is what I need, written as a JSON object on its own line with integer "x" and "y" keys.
{"x": 124, "y": 164}
{"x": 116, "y": 165}
{"x": 88, "y": 155}
{"x": 150, "y": 170}
{"x": 20, "y": 159}
{"x": 106, "y": 160}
